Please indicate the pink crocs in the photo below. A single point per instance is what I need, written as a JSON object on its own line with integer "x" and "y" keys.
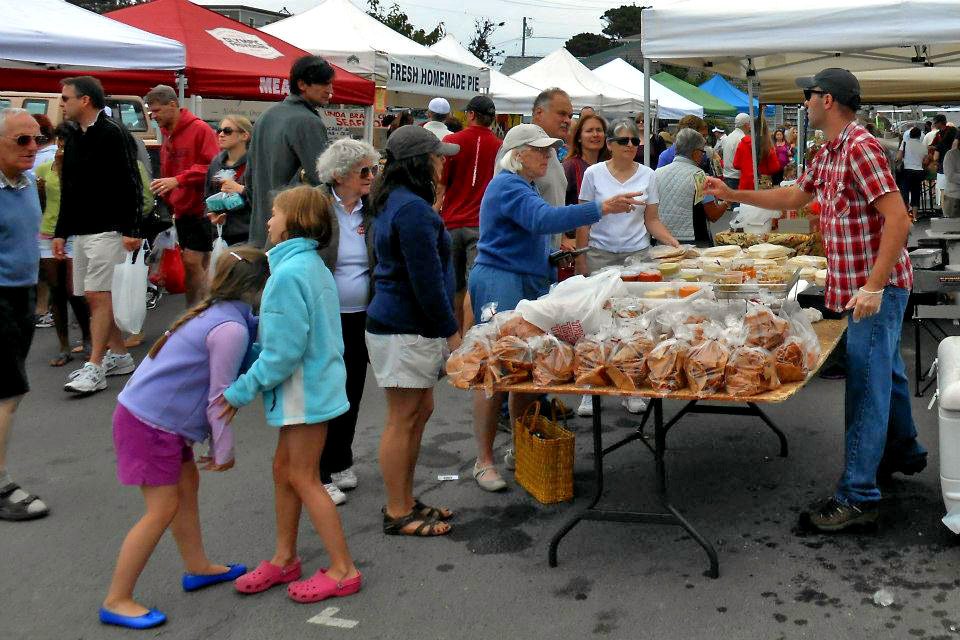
{"x": 320, "y": 587}
{"x": 267, "y": 575}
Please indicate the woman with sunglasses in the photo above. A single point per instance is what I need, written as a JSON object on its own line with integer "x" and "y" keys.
{"x": 233, "y": 136}
{"x": 612, "y": 240}
{"x": 347, "y": 169}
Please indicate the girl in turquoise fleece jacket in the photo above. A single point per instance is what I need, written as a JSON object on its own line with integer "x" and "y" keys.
{"x": 301, "y": 374}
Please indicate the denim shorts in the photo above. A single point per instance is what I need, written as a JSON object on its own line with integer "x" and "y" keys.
{"x": 507, "y": 289}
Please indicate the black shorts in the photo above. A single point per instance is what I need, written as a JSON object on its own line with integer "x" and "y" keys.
{"x": 194, "y": 233}
{"x": 17, "y": 305}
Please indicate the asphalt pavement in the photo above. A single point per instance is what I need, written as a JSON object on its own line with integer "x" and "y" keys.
{"x": 489, "y": 578}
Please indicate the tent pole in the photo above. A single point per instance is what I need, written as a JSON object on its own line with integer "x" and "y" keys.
{"x": 182, "y": 86}
{"x": 647, "y": 122}
{"x": 802, "y": 123}
{"x": 368, "y": 123}
{"x": 753, "y": 124}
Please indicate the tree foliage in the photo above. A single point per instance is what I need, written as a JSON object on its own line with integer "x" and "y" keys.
{"x": 481, "y": 46}
{"x": 622, "y": 21}
{"x": 103, "y": 6}
{"x": 395, "y": 18}
{"x": 587, "y": 44}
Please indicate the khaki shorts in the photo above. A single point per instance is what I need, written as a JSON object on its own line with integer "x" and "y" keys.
{"x": 94, "y": 257}
{"x": 598, "y": 258}
{"x": 406, "y": 361}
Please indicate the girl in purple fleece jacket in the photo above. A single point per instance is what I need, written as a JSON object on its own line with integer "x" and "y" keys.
{"x": 167, "y": 406}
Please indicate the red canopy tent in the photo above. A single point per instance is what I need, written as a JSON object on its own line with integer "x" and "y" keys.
{"x": 225, "y": 59}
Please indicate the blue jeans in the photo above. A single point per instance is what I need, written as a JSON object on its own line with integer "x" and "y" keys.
{"x": 879, "y": 420}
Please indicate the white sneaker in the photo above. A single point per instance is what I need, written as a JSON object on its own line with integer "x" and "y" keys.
{"x": 634, "y": 405}
{"x": 89, "y": 379}
{"x": 345, "y": 480}
{"x": 338, "y": 497}
{"x": 118, "y": 364}
{"x": 113, "y": 365}
{"x": 585, "y": 410}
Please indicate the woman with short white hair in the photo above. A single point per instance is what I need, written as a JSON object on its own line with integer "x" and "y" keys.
{"x": 347, "y": 169}
{"x": 512, "y": 257}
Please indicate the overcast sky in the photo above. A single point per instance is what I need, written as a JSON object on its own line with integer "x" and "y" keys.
{"x": 552, "y": 21}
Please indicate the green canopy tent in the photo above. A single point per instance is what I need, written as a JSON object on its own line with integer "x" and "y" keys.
{"x": 712, "y": 106}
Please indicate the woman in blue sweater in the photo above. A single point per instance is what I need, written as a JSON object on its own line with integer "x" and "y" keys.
{"x": 512, "y": 258}
{"x": 410, "y": 323}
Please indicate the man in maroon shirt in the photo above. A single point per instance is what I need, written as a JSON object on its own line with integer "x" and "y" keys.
{"x": 188, "y": 146}
{"x": 465, "y": 178}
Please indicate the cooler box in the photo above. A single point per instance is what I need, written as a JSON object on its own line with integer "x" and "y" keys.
{"x": 948, "y": 383}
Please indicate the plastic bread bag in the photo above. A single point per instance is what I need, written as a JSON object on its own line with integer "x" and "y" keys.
{"x": 510, "y": 362}
{"x": 686, "y": 318}
{"x": 750, "y": 370}
{"x": 466, "y": 366}
{"x": 706, "y": 362}
{"x": 554, "y": 361}
{"x": 574, "y": 308}
{"x": 590, "y": 358}
{"x": 511, "y": 323}
{"x": 629, "y": 356}
{"x": 800, "y": 352}
{"x": 665, "y": 365}
{"x": 764, "y": 328}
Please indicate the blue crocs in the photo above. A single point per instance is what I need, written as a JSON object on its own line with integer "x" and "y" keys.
{"x": 149, "y": 620}
{"x": 194, "y": 581}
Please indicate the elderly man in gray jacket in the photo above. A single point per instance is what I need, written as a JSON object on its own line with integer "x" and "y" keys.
{"x": 288, "y": 138}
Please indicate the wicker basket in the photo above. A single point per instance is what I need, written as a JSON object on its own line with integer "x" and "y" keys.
{"x": 544, "y": 461}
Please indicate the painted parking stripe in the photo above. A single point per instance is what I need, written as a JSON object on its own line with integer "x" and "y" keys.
{"x": 326, "y": 619}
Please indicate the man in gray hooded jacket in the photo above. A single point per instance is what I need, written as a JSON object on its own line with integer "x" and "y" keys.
{"x": 288, "y": 138}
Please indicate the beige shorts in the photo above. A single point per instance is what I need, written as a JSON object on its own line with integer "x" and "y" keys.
{"x": 598, "y": 258}
{"x": 94, "y": 257}
{"x": 406, "y": 361}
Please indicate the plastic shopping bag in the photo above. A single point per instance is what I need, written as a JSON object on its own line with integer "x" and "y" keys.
{"x": 129, "y": 292}
{"x": 574, "y": 308}
{"x": 171, "y": 275}
{"x": 219, "y": 247}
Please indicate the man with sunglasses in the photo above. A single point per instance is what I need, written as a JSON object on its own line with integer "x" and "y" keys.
{"x": 101, "y": 204}
{"x": 189, "y": 145}
{"x": 865, "y": 226}
{"x": 19, "y": 256}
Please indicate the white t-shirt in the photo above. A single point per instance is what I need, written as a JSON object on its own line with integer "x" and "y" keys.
{"x": 914, "y": 151}
{"x": 437, "y": 128}
{"x": 929, "y": 136}
{"x": 352, "y": 271}
{"x": 623, "y": 232}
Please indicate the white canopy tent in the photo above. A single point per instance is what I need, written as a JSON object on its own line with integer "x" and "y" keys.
{"x": 670, "y": 104}
{"x": 54, "y": 34}
{"x": 348, "y": 37}
{"x": 586, "y": 89}
{"x": 508, "y": 94}
{"x": 780, "y": 43}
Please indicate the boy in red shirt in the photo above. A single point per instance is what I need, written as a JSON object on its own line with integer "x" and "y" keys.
{"x": 465, "y": 178}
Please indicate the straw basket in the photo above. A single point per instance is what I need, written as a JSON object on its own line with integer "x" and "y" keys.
{"x": 544, "y": 456}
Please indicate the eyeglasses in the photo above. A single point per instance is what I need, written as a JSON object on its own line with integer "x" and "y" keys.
{"x": 625, "y": 140}
{"x": 366, "y": 172}
{"x": 24, "y": 140}
{"x": 809, "y": 92}
{"x": 227, "y": 131}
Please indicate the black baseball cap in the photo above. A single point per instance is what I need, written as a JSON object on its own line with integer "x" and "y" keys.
{"x": 839, "y": 83}
{"x": 412, "y": 140}
{"x": 482, "y": 105}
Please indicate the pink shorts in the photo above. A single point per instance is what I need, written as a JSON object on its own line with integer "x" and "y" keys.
{"x": 147, "y": 455}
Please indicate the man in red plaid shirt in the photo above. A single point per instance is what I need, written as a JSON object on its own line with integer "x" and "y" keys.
{"x": 865, "y": 228}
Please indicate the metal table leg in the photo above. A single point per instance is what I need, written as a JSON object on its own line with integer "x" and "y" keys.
{"x": 670, "y": 517}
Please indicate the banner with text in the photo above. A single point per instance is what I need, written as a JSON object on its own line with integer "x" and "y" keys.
{"x": 435, "y": 77}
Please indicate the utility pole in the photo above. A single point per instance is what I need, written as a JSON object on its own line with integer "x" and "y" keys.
{"x": 523, "y": 41}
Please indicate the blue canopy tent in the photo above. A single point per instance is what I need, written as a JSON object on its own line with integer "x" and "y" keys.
{"x": 719, "y": 87}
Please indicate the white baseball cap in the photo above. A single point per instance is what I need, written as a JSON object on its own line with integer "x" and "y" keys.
{"x": 440, "y": 106}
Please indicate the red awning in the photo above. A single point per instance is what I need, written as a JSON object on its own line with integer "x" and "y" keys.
{"x": 225, "y": 59}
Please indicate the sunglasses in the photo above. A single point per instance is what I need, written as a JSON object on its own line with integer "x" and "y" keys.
{"x": 366, "y": 172}
{"x": 625, "y": 140}
{"x": 227, "y": 131}
{"x": 807, "y": 93}
{"x": 24, "y": 140}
